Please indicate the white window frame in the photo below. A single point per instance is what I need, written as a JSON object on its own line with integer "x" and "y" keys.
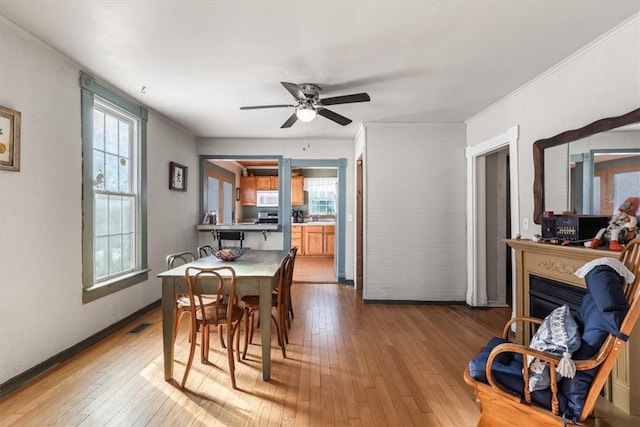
{"x": 95, "y": 94}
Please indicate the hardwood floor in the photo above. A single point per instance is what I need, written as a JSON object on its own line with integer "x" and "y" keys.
{"x": 348, "y": 364}
{"x": 314, "y": 270}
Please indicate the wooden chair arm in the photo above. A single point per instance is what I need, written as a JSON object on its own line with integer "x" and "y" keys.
{"x": 532, "y": 321}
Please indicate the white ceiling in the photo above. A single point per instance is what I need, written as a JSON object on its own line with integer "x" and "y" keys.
{"x": 420, "y": 61}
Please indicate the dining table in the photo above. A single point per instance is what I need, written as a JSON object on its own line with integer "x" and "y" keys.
{"x": 256, "y": 274}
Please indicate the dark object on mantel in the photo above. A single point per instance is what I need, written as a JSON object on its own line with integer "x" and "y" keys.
{"x": 574, "y": 228}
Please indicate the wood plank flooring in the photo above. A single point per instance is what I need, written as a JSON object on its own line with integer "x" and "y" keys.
{"x": 348, "y": 364}
{"x": 314, "y": 270}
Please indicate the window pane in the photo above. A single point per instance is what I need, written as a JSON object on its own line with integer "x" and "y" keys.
{"x": 111, "y": 172}
{"x": 98, "y": 170}
{"x": 101, "y": 262}
{"x": 115, "y": 215}
{"x": 213, "y": 194}
{"x": 127, "y": 214}
{"x": 111, "y": 135}
{"x": 101, "y": 215}
{"x": 127, "y": 258}
{"x": 124, "y": 181}
{"x": 124, "y": 139}
{"x": 115, "y": 254}
{"x": 227, "y": 191}
{"x": 98, "y": 129}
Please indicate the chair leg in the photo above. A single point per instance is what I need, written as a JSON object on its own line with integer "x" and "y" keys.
{"x": 221, "y": 336}
{"x": 280, "y": 338}
{"x": 246, "y": 316}
{"x": 192, "y": 350}
{"x": 231, "y": 329}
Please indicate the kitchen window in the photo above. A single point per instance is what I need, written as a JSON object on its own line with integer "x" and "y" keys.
{"x": 114, "y": 215}
{"x": 322, "y": 194}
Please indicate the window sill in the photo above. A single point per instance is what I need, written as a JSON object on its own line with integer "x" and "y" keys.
{"x": 109, "y": 287}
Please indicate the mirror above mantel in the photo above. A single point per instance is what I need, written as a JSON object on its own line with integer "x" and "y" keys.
{"x": 572, "y": 169}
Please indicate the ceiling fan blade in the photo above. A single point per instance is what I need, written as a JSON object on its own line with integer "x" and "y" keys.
{"x": 290, "y": 121}
{"x": 346, "y": 99}
{"x": 328, "y": 114}
{"x": 258, "y": 107}
{"x": 294, "y": 90}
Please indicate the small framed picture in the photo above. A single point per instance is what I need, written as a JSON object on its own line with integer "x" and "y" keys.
{"x": 177, "y": 177}
{"x": 9, "y": 139}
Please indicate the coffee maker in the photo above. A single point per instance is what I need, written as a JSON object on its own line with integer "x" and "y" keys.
{"x": 297, "y": 216}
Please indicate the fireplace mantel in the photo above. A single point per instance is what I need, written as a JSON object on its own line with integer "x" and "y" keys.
{"x": 559, "y": 263}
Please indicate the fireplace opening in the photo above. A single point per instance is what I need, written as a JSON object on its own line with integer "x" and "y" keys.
{"x": 545, "y": 295}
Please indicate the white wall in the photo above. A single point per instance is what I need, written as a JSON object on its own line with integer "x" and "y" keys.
{"x": 414, "y": 212}
{"x": 601, "y": 80}
{"x": 41, "y": 310}
{"x": 300, "y": 149}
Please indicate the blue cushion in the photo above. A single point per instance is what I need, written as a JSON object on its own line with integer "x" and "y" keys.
{"x": 602, "y": 309}
{"x": 507, "y": 370}
{"x": 477, "y": 366}
{"x": 601, "y": 313}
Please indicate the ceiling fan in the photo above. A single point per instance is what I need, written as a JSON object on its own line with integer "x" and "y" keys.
{"x": 309, "y": 104}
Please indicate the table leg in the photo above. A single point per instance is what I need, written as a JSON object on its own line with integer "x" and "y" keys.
{"x": 265, "y": 328}
{"x": 168, "y": 320}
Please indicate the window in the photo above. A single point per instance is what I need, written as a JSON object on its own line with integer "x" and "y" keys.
{"x": 322, "y": 195}
{"x": 114, "y": 219}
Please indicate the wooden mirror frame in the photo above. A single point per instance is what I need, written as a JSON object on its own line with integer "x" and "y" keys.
{"x": 566, "y": 137}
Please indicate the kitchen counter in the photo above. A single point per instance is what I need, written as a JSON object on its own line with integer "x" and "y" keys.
{"x": 246, "y": 226}
{"x": 314, "y": 223}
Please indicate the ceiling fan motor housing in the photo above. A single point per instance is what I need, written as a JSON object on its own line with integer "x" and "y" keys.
{"x": 310, "y": 90}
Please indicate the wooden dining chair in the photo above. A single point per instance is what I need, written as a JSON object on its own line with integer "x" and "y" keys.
{"x": 292, "y": 252}
{"x": 251, "y": 306}
{"x": 503, "y": 405}
{"x": 224, "y": 312}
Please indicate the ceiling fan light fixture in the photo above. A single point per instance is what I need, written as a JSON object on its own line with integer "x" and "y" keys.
{"x": 306, "y": 113}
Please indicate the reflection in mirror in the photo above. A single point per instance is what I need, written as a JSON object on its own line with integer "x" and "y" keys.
{"x": 574, "y": 173}
{"x": 593, "y": 175}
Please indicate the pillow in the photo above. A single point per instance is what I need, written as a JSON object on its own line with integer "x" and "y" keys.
{"x": 614, "y": 263}
{"x": 558, "y": 334}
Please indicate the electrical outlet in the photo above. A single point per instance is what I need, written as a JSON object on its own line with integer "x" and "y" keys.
{"x": 525, "y": 223}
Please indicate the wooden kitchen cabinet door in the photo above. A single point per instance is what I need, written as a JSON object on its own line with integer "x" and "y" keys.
{"x": 297, "y": 190}
{"x": 313, "y": 240}
{"x": 273, "y": 182}
{"x": 248, "y": 195}
{"x": 263, "y": 183}
{"x": 296, "y": 238}
{"x": 329, "y": 239}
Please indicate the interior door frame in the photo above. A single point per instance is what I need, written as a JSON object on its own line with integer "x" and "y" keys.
{"x": 476, "y": 212}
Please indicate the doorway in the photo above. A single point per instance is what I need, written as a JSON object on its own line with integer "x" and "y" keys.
{"x": 336, "y": 235}
{"x": 492, "y": 216}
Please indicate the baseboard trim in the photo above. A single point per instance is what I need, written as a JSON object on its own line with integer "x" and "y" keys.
{"x": 28, "y": 375}
{"x": 411, "y": 302}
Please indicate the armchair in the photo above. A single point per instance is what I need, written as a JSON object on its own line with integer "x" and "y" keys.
{"x": 501, "y": 384}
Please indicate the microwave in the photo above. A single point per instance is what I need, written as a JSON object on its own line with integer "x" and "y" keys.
{"x": 267, "y": 198}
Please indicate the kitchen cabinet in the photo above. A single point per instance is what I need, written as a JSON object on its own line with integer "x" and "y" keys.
{"x": 329, "y": 233}
{"x": 296, "y": 238}
{"x": 297, "y": 190}
{"x": 248, "y": 188}
{"x": 314, "y": 239}
{"x": 267, "y": 183}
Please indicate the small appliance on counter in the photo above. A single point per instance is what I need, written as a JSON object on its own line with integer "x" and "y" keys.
{"x": 267, "y": 218}
{"x": 297, "y": 216}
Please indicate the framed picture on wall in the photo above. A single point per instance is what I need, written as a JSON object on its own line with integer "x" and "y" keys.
{"x": 9, "y": 139}
{"x": 177, "y": 177}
